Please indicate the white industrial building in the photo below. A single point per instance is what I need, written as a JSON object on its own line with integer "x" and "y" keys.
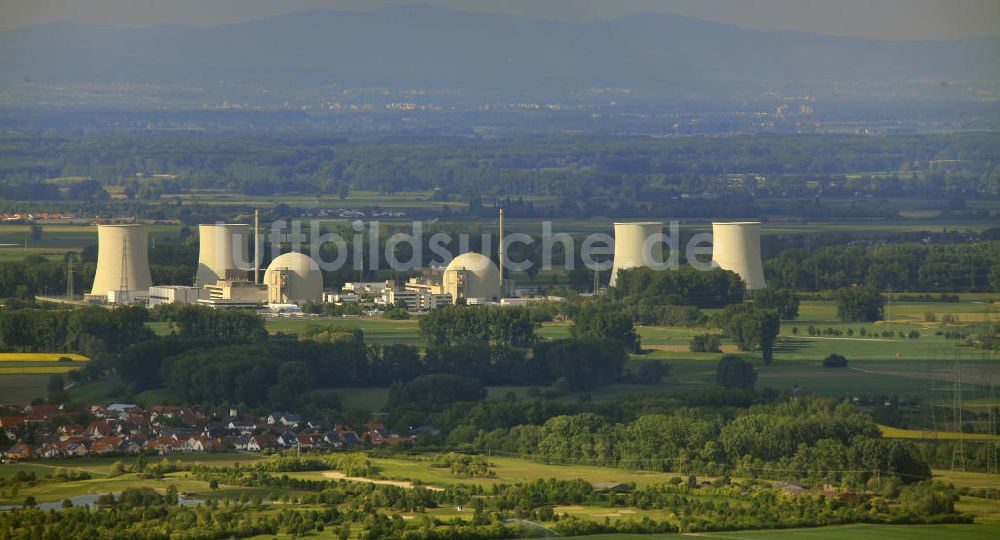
{"x": 415, "y": 299}
{"x": 341, "y": 298}
{"x": 122, "y": 264}
{"x": 175, "y": 294}
{"x": 736, "y": 247}
{"x": 629, "y": 241}
{"x": 528, "y": 300}
{"x": 372, "y": 287}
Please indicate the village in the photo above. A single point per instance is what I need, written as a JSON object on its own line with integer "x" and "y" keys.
{"x": 48, "y": 431}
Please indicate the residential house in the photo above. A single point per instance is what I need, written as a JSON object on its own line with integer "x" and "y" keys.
{"x": 262, "y": 442}
{"x": 106, "y": 445}
{"x": 18, "y": 451}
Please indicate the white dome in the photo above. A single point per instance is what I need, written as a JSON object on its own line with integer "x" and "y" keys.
{"x": 472, "y": 275}
{"x": 303, "y": 282}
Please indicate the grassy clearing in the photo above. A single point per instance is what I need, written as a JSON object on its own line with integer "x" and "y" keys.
{"x": 21, "y": 388}
{"x": 101, "y": 466}
{"x": 508, "y": 470}
{"x": 382, "y": 331}
{"x": 372, "y": 399}
{"x": 968, "y": 479}
{"x": 97, "y": 391}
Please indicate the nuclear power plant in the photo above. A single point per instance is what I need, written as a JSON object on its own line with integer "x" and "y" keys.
{"x": 222, "y": 280}
{"x": 736, "y": 247}
{"x": 225, "y": 277}
{"x": 629, "y": 240}
{"x": 222, "y": 248}
{"x": 122, "y": 263}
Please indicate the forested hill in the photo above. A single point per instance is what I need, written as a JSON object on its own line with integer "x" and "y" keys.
{"x": 436, "y": 47}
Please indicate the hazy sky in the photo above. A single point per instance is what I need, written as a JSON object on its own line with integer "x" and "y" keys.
{"x": 884, "y": 19}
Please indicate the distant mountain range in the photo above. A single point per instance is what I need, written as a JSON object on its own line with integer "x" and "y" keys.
{"x": 421, "y": 46}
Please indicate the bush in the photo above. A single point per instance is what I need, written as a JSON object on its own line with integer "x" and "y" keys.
{"x": 928, "y": 498}
{"x": 784, "y": 301}
{"x": 735, "y": 372}
{"x": 705, "y": 343}
{"x": 859, "y": 304}
{"x": 835, "y": 361}
{"x": 650, "y": 372}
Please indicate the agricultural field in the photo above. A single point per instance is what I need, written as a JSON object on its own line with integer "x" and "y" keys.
{"x": 40, "y": 363}
{"x": 899, "y": 433}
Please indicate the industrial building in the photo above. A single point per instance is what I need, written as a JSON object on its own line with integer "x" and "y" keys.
{"x": 175, "y": 294}
{"x": 292, "y": 278}
{"x": 629, "y": 241}
{"x": 122, "y": 264}
{"x": 369, "y": 287}
{"x": 736, "y": 247}
{"x": 221, "y": 247}
{"x": 415, "y": 299}
{"x": 236, "y": 290}
{"x": 470, "y": 277}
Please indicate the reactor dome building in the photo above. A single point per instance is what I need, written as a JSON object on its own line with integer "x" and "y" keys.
{"x": 222, "y": 248}
{"x": 472, "y": 276}
{"x": 122, "y": 261}
{"x": 293, "y": 278}
{"x": 736, "y": 247}
{"x": 629, "y": 241}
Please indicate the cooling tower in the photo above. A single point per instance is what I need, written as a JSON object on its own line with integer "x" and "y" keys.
{"x": 221, "y": 247}
{"x": 122, "y": 259}
{"x": 629, "y": 238}
{"x": 736, "y": 247}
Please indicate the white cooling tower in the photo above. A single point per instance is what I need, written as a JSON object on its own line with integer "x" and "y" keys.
{"x": 221, "y": 247}
{"x": 629, "y": 240}
{"x": 122, "y": 259}
{"x": 736, "y": 247}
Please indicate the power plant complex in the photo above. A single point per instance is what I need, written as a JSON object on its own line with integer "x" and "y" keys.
{"x": 225, "y": 277}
